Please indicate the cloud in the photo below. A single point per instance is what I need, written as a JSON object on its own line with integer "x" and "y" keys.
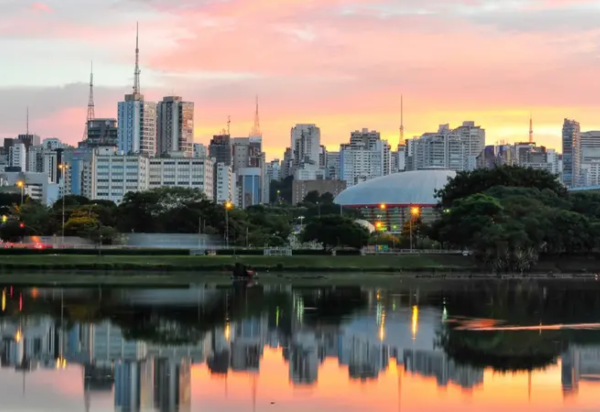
{"x": 339, "y": 63}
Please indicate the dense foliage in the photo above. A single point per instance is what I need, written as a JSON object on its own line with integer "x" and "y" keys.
{"x": 166, "y": 210}
{"x": 509, "y": 215}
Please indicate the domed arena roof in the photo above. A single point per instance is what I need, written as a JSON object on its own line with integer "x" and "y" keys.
{"x": 405, "y": 188}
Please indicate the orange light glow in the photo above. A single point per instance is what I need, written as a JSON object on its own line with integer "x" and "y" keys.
{"x": 378, "y": 225}
{"x": 20, "y": 183}
{"x": 228, "y": 205}
{"x": 382, "y": 206}
{"x": 415, "y": 211}
{"x": 18, "y": 336}
{"x": 34, "y": 293}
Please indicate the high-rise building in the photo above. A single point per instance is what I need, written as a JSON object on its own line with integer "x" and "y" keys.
{"x": 101, "y": 132}
{"x": 52, "y": 143}
{"x": 332, "y": 165}
{"x": 17, "y": 156}
{"x": 454, "y": 149}
{"x": 364, "y": 158}
{"x": 225, "y": 184}
{"x": 305, "y": 143}
{"x": 181, "y": 172}
{"x": 175, "y": 126}
{"x": 220, "y": 149}
{"x": 571, "y": 145}
{"x": 199, "y": 150}
{"x": 249, "y": 186}
{"x": 273, "y": 170}
{"x": 137, "y": 119}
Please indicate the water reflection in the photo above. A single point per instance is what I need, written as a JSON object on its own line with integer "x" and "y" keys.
{"x": 223, "y": 349}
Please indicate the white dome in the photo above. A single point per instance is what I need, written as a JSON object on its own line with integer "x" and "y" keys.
{"x": 405, "y": 188}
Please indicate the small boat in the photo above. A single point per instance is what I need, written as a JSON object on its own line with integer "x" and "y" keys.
{"x": 241, "y": 272}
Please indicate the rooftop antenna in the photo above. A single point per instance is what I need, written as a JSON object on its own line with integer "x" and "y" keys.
{"x": 255, "y": 132}
{"x": 401, "y": 119}
{"x": 530, "y": 128}
{"x": 90, "y": 111}
{"x": 136, "y": 73}
{"x": 228, "y": 125}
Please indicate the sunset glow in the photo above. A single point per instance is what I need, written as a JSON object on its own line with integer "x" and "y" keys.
{"x": 341, "y": 65}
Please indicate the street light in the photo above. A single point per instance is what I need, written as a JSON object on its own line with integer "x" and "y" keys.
{"x": 64, "y": 168}
{"x": 21, "y": 185}
{"x": 228, "y": 205}
{"x": 414, "y": 211}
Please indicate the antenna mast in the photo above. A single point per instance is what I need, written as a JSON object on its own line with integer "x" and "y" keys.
{"x": 228, "y": 125}
{"x": 255, "y": 132}
{"x": 401, "y": 120}
{"x": 136, "y": 73}
{"x": 90, "y": 111}
{"x": 530, "y": 128}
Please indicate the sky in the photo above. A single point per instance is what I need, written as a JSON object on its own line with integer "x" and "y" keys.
{"x": 341, "y": 64}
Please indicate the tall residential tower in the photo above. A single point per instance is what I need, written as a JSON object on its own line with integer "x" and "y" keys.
{"x": 137, "y": 118}
{"x": 175, "y": 126}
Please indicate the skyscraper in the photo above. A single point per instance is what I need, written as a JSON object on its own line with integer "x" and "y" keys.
{"x": 175, "y": 126}
{"x": 137, "y": 118}
{"x": 220, "y": 149}
{"x": 306, "y": 144}
{"x": 571, "y": 145}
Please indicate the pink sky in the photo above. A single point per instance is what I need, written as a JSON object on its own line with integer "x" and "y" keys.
{"x": 340, "y": 64}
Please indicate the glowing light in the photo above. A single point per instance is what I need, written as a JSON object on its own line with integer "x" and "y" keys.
{"x": 382, "y": 206}
{"x": 415, "y": 321}
{"x": 20, "y": 302}
{"x": 228, "y": 205}
{"x": 227, "y": 331}
{"x": 18, "y": 336}
{"x": 3, "y": 300}
{"x": 61, "y": 363}
{"x": 34, "y": 293}
{"x": 4, "y": 218}
{"x": 20, "y": 183}
{"x": 415, "y": 211}
{"x": 378, "y": 225}
{"x": 277, "y": 316}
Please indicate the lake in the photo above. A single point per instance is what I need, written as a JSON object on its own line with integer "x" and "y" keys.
{"x": 406, "y": 346}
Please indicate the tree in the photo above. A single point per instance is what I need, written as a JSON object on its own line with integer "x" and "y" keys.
{"x": 11, "y": 231}
{"x": 312, "y": 197}
{"x": 335, "y": 230}
{"x": 469, "y": 183}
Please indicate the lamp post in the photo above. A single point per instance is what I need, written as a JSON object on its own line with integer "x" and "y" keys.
{"x": 414, "y": 211}
{"x": 228, "y": 205}
{"x": 21, "y": 185}
{"x": 64, "y": 168}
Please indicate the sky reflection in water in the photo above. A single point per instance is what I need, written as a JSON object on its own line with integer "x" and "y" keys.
{"x": 424, "y": 347}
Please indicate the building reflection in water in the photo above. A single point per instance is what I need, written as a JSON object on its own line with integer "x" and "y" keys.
{"x": 148, "y": 376}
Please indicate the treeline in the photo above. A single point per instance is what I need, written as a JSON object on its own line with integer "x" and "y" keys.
{"x": 163, "y": 210}
{"x": 508, "y": 216}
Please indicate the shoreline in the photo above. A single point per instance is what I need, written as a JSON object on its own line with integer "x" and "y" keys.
{"x": 283, "y": 267}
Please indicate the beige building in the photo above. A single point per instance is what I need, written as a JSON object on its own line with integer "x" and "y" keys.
{"x": 300, "y": 188}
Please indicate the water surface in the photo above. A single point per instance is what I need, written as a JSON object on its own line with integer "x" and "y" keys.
{"x": 427, "y": 346}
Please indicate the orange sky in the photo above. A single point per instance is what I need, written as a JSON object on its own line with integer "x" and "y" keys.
{"x": 340, "y": 64}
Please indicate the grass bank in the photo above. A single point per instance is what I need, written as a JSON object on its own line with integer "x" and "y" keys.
{"x": 379, "y": 263}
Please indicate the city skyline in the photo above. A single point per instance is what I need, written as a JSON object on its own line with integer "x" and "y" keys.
{"x": 220, "y": 65}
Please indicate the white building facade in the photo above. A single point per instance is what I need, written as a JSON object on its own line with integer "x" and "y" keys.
{"x": 306, "y": 143}
{"x": 364, "y": 158}
{"x": 137, "y": 126}
{"x": 225, "y": 187}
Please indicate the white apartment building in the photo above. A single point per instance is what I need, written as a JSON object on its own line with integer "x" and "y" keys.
{"x": 17, "y": 156}
{"x": 225, "y": 187}
{"x": 306, "y": 143}
{"x": 36, "y": 185}
{"x": 399, "y": 159}
{"x": 137, "y": 126}
{"x": 181, "y": 172}
{"x": 364, "y": 158}
{"x": 454, "y": 149}
{"x": 52, "y": 143}
{"x": 114, "y": 175}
